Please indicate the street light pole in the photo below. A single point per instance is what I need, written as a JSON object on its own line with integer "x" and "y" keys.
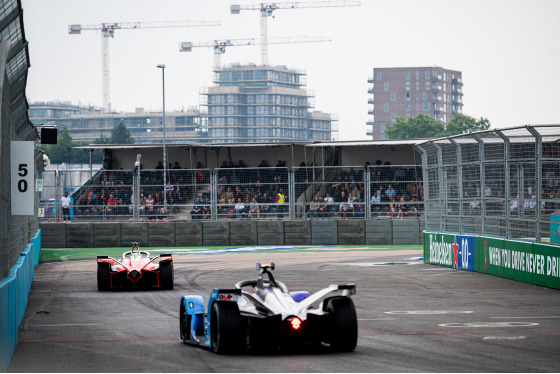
{"x": 162, "y": 67}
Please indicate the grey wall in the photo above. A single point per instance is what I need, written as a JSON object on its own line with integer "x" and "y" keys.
{"x": 232, "y": 233}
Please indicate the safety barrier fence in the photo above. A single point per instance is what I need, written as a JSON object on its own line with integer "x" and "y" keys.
{"x": 14, "y": 292}
{"x": 534, "y": 263}
{"x": 264, "y": 193}
{"x": 503, "y": 183}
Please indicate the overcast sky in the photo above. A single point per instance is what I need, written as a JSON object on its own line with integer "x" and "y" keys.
{"x": 507, "y": 50}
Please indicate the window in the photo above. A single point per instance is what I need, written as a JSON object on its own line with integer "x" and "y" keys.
{"x": 417, "y": 107}
{"x": 427, "y": 85}
{"x": 426, "y": 107}
{"x": 386, "y": 107}
{"x": 417, "y": 74}
{"x": 408, "y": 107}
{"x": 424, "y": 96}
{"x": 386, "y": 86}
{"x": 407, "y": 116}
{"x": 417, "y": 95}
{"x": 393, "y": 96}
{"x": 427, "y": 74}
{"x": 408, "y": 95}
{"x": 378, "y": 75}
{"x": 408, "y": 75}
{"x": 417, "y": 85}
{"x": 407, "y": 85}
{"x": 393, "y": 117}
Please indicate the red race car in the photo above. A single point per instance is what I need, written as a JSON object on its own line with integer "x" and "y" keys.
{"x": 135, "y": 269}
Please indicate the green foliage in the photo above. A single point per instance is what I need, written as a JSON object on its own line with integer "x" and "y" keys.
{"x": 462, "y": 124}
{"x": 423, "y": 126}
{"x": 60, "y": 153}
{"x": 121, "y": 135}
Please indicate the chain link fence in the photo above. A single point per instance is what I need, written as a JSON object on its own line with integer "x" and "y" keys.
{"x": 502, "y": 183}
{"x": 235, "y": 193}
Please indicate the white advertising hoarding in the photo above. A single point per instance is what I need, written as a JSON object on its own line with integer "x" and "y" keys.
{"x": 23, "y": 178}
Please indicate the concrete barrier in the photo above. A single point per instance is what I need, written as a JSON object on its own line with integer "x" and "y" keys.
{"x": 405, "y": 231}
{"x": 215, "y": 233}
{"x": 324, "y": 232}
{"x": 351, "y": 232}
{"x": 53, "y": 235}
{"x": 188, "y": 234}
{"x": 378, "y": 232}
{"x": 79, "y": 235}
{"x": 134, "y": 232}
{"x": 14, "y": 294}
{"x": 270, "y": 233}
{"x": 161, "y": 234}
{"x": 297, "y": 232}
{"x": 224, "y": 233}
{"x": 243, "y": 233}
{"x": 106, "y": 235}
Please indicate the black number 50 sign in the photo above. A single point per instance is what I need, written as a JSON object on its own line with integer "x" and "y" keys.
{"x": 22, "y": 175}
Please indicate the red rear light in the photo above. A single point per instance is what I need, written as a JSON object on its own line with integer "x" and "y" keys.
{"x": 296, "y": 323}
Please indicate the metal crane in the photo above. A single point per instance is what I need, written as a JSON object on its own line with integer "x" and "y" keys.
{"x": 108, "y": 31}
{"x": 219, "y": 46}
{"x": 267, "y": 9}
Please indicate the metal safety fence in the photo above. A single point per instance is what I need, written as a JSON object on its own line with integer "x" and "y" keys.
{"x": 503, "y": 183}
{"x": 375, "y": 191}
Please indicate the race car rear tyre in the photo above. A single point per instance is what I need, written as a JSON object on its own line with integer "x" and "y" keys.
{"x": 166, "y": 275}
{"x": 225, "y": 327}
{"x": 343, "y": 329}
{"x": 103, "y": 276}
{"x": 183, "y": 325}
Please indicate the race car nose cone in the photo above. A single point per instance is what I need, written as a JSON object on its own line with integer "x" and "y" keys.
{"x": 134, "y": 275}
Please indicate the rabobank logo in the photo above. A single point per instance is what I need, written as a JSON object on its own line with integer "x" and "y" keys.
{"x": 463, "y": 252}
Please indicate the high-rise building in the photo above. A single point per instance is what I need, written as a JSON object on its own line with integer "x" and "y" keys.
{"x": 409, "y": 91}
{"x": 86, "y": 124}
{"x": 263, "y": 104}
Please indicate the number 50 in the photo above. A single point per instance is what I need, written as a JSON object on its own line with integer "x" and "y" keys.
{"x": 22, "y": 172}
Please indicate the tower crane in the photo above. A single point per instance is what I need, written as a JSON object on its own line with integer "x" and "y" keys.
{"x": 266, "y": 10}
{"x": 219, "y": 46}
{"x": 108, "y": 31}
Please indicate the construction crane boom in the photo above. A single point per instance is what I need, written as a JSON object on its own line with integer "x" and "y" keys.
{"x": 219, "y": 46}
{"x": 108, "y": 31}
{"x": 267, "y": 9}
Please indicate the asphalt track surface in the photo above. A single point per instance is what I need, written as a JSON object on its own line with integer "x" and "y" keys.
{"x": 412, "y": 317}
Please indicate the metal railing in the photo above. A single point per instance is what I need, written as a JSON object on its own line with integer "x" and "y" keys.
{"x": 275, "y": 192}
{"x": 503, "y": 183}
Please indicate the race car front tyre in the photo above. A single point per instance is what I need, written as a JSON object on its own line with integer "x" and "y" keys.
{"x": 225, "y": 327}
{"x": 103, "y": 276}
{"x": 343, "y": 329}
{"x": 166, "y": 275}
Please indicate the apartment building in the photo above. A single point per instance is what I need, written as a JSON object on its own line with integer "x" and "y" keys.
{"x": 409, "y": 91}
{"x": 263, "y": 104}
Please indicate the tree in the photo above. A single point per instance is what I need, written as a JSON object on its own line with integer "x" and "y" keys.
{"x": 121, "y": 135}
{"x": 462, "y": 124}
{"x": 421, "y": 126}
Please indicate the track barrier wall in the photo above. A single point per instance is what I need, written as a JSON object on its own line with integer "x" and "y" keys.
{"x": 225, "y": 233}
{"x": 527, "y": 262}
{"x": 14, "y": 293}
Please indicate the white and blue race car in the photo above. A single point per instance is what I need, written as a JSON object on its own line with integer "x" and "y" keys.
{"x": 262, "y": 315}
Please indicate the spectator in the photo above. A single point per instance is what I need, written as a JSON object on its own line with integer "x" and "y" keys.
{"x": 345, "y": 208}
{"x": 254, "y": 209}
{"x": 376, "y": 201}
{"x": 281, "y": 202}
{"x": 65, "y": 202}
{"x": 240, "y": 209}
{"x": 400, "y": 207}
{"x": 196, "y": 213}
{"x": 329, "y": 201}
{"x": 111, "y": 204}
{"x": 390, "y": 192}
{"x": 266, "y": 202}
{"x": 206, "y": 210}
{"x": 108, "y": 162}
{"x": 314, "y": 207}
